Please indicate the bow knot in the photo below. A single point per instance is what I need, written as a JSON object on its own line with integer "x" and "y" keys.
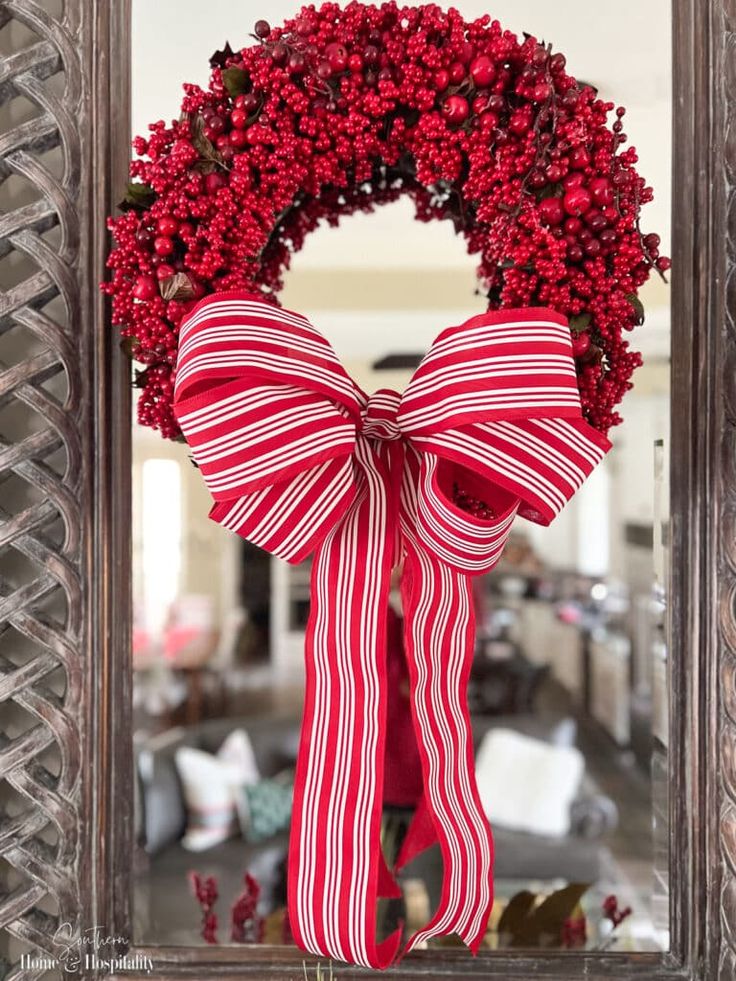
{"x": 300, "y": 461}
{"x": 379, "y": 416}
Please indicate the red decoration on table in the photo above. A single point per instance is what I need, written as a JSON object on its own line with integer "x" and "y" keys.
{"x": 299, "y": 460}
{"x": 343, "y": 109}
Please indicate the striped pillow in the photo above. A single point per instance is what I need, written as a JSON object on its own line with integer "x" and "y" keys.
{"x": 211, "y": 786}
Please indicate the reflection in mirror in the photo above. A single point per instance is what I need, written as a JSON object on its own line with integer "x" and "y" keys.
{"x": 568, "y": 691}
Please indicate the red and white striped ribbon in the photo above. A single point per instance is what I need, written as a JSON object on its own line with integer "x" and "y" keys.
{"x": 299, "y": 460}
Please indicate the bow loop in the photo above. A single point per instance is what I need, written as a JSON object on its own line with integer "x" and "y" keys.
{"x": 467, "y": 543}
{"x": 270, "y": 416}
{"x": 239, "y": 335}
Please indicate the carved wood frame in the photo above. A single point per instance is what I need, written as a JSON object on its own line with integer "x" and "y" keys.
{"x": 67, "y": 850}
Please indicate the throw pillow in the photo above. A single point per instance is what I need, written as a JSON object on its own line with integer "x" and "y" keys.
{"x": 266, "y": 809}
{"x": 211, "y": 786}
{"x": 526, "y": 784}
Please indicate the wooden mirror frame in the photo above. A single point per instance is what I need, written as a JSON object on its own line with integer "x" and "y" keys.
{"x": 69, "y": 849}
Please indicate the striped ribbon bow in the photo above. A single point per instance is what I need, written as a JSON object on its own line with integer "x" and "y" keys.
{"x": 299, "y": 460}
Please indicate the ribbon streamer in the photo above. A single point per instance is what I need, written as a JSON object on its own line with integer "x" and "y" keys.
{"x": 299, "y": 460}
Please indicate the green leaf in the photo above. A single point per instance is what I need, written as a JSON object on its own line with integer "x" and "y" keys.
{"x": 580, "y": 323}
{"x": 235, "y": 81}
{"x": 138, "y": 196}
{"x": 638, "y": 306}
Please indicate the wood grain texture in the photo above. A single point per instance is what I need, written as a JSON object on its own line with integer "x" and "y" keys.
{"x": 725, "y": 706}
{"x": 65, "y": 756}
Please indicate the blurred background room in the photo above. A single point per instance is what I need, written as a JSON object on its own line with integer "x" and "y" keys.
{"x": 570, "y": 652}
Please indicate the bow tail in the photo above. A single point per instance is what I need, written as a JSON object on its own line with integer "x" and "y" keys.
{"x": 439, "y": 635}
{"x": 336, "y": 866}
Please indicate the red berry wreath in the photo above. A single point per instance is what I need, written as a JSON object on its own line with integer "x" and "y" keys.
{"x": 340, "y": 110}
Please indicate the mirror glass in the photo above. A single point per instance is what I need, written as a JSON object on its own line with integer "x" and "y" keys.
{"x": 571, "y": 650}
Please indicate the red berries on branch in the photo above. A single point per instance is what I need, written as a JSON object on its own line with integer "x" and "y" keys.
{"x": 344, "y": 109}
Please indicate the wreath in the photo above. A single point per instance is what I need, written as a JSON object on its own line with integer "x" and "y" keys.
{"x": 344, "y": 109}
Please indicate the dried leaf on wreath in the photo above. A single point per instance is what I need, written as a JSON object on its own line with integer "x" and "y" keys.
{"x": 550, "y": 191}
{"x": 129, "y": 346}
{"x": 138, "y": 196}
{"x": 176, "y": 287}
{"x": 638, "y": 306}
{"x": 201, "y": 143}
{"x": 140, "y": 378}
{"x": 235, "y": 80}
{"x": 219, "y": 58}
{"x": 580, "y": 323}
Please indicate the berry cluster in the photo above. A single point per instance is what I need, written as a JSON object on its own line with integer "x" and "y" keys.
{"x": 246, "y": 926}
{"x": 342, "y": 110}
{"x": 473, "y": 505}
{"x": 612, "y": 912}
{"x": 206, "y": 893}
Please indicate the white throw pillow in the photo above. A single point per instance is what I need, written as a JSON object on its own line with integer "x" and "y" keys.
{"x": 212, "y": 786}
{"x": 526, "y": 784}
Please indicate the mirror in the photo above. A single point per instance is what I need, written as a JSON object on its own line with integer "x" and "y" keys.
{"x": 571, "y": 652}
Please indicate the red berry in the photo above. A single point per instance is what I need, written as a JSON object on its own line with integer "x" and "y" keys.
{"x": 551, "y": 211}
{"x": 557, "y": 62}
{"x": 145, "y": 288}
{"x": 355, "y": 63}
{"x": 579, "y": 158}
{"x": 216, "y": 125}
{"x": 663, "y": 263}
{"x": 297, "y": 64}
{"x": 213, "y": 182}
{"x": 482, "y": 71}
{"x": 239, "y": 118}
{"x": 262, "y": 29}
{"x": 652, "y": 241}
{"x": 580, "y": 344}
{"x": 304, "y": 26}
{"x": 457, "y": 72}
{"x": 573, "y": 180}
{"x": 239, "y": 138}
{"x": 456, "y": 109}
{"x": 167, "y": 225}
{"x": 163, "y": 245}
{"x": 577, "y": 201}
{"x": 164, "y": 271}
{"x": 324, "y": 70}
{"x": 441, "y": 79}
{"x": 520, "y": 122}
{"x": 279, "y": 53}
{"x": 541, "y": 92}
{"x": 554, "y": 173}
{"x": 144, "y": 237}
{"x": 337, "y": 57}
{"x": 601, "y": 190}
